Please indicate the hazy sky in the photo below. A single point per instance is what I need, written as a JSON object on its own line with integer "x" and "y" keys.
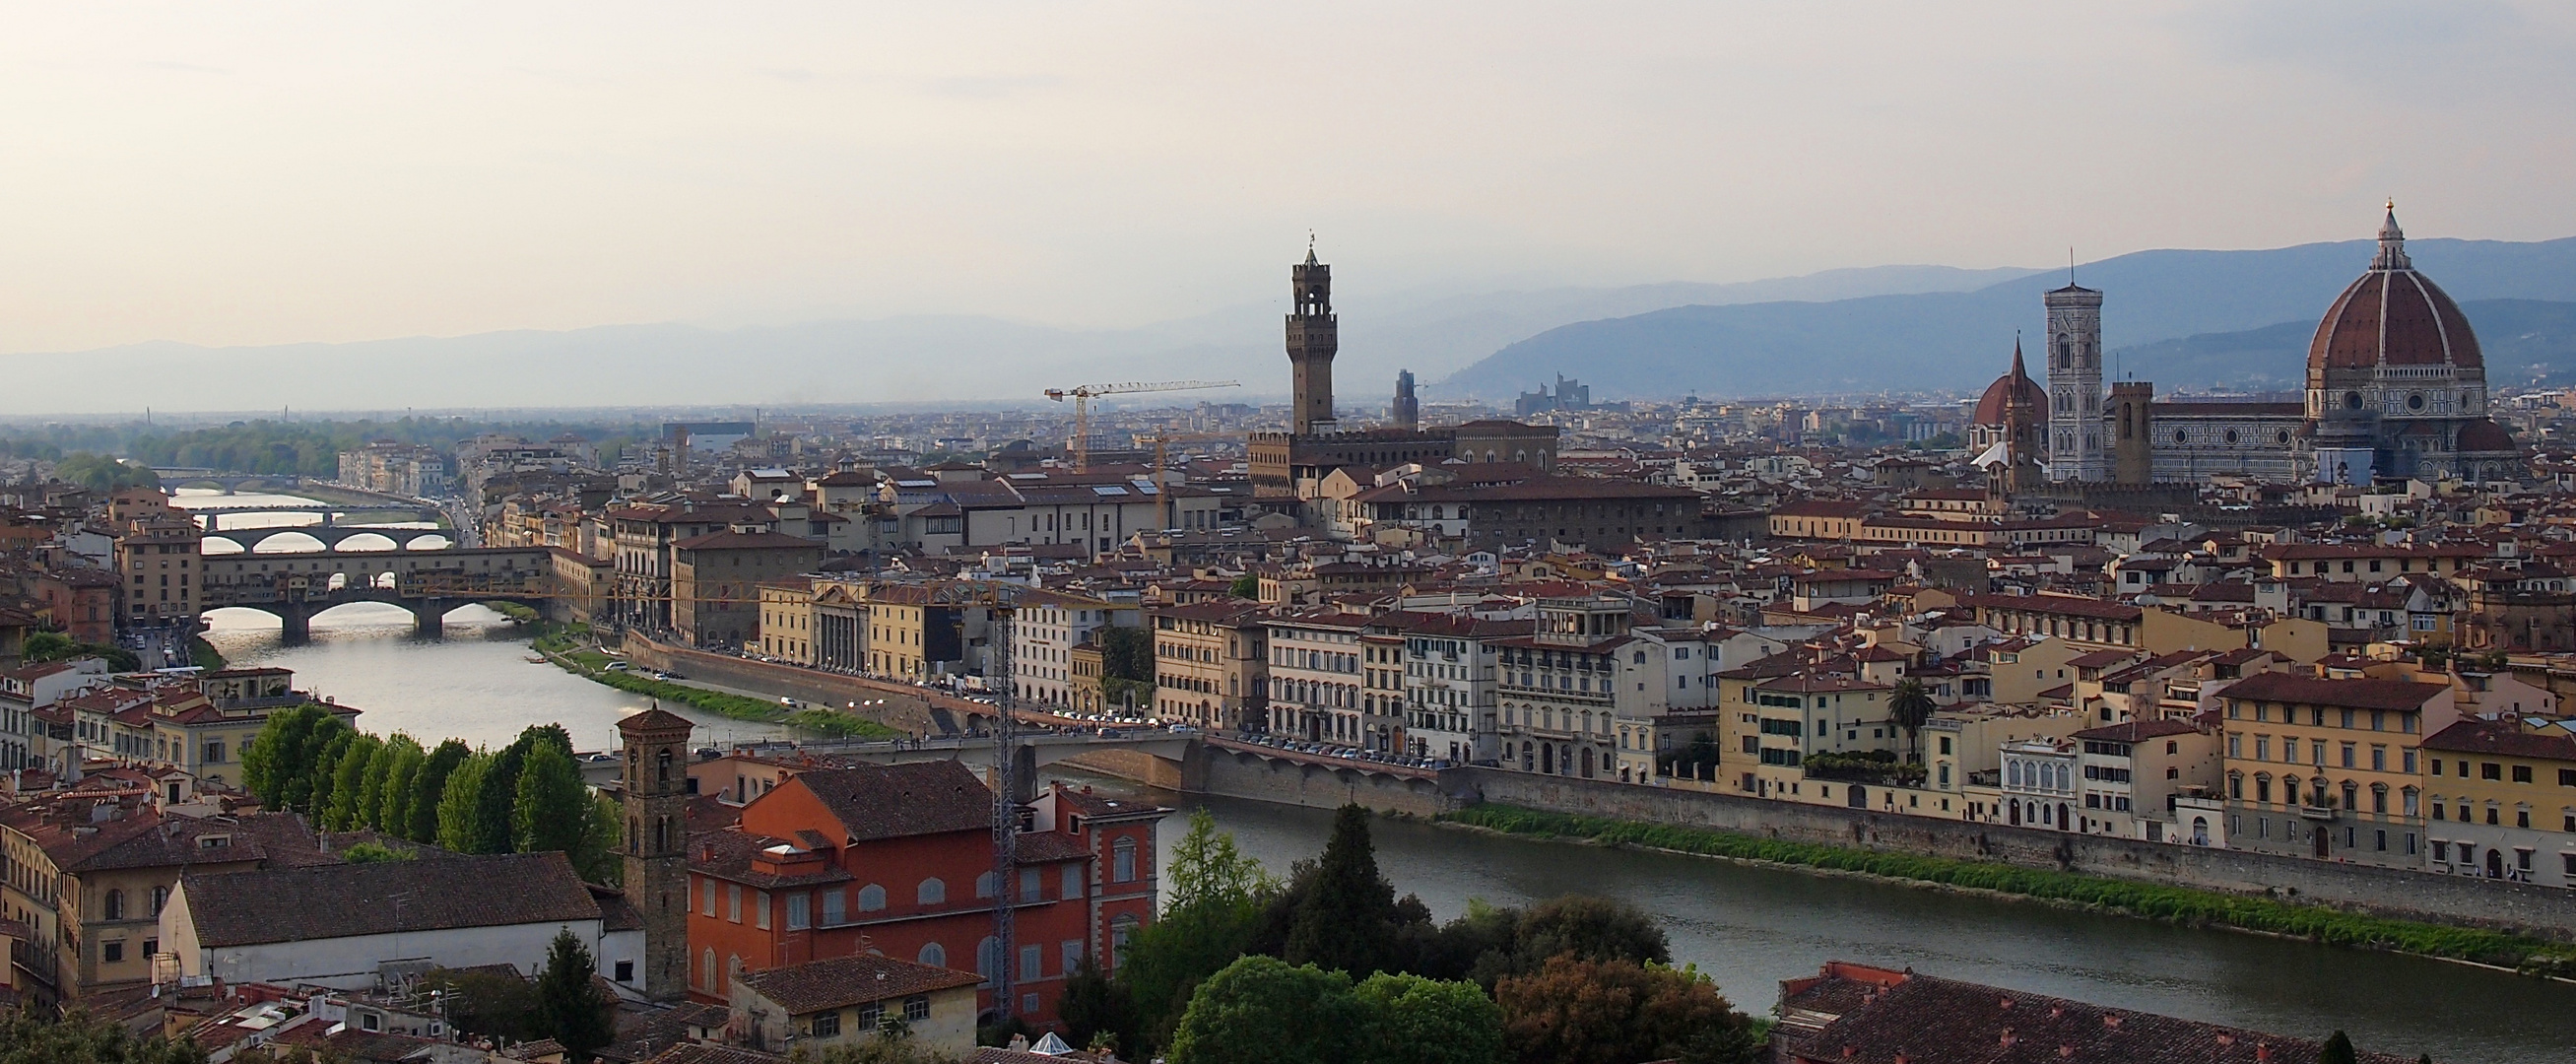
{"x": 244, "y": 173}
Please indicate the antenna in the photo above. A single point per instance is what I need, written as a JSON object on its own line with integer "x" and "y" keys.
{"x": 2070, "y": 264}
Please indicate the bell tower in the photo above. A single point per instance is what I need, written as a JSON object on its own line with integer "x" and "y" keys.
{"x": 655, "y": 800}
{"x": 1313, "y": 339}
{"x": 2076, "y": 448}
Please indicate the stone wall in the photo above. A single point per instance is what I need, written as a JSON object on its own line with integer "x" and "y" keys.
{"x": 2548, "y": 912}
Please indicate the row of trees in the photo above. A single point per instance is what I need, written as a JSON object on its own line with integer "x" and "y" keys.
{"x": 527, "y": 797}
{"x": 1574, "y": 980}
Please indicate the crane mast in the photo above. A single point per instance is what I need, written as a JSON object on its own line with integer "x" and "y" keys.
{"x": 1083, "y": 394}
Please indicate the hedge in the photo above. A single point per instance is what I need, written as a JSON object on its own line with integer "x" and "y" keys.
{"x": 559, "y": 643}
{"x": 2182, "y": 905}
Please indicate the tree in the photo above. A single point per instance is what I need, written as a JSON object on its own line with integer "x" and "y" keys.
{"x": 1414, "y": 1020}
{"x": 2338, "y": 1050}
{"x": 428, "y": 786}
{"x": 347, "y": 811}
{"x": 1097, "y": 1011}
{"x": 1618, "y": 1012}
{"x": 1127, "y": 653}
{"x": 393, "y": 814}
{"x": 1910, "y": 706}
{"x": 55, "y": 646}
{"x": 1347, "y": 920}
{"x": 1216, "y": 897}
{"x": 370, "y": 809}
{"x": 553, "y": 806}
{"x": 460, "y": 807}
{"x": 1261, "y": 1011}
{"x": 1246, "y": 586}
{"x": 570, "y": 1007}
{"x": 488, "y": 1004}
{"x": 279, "y": 766}
{"x": 76, "y": 1037}
{"x": 325, "y": 773}
{"x": 891, "y": 1045}
{"x": 496, "y": 821}
{"x": 596, "y": 858}
{"x": 1587, "y": 928}
{"x": 376, "y": 853}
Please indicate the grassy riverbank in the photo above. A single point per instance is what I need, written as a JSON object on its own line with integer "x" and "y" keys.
{"x": 2151, "y": 901}
{"x": 570, "y": 647}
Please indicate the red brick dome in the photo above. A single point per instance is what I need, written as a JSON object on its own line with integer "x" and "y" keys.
{"x": 1990, "y": 406}
{"x": 2485, "y": 435}
{"x": 2393, "y": 315}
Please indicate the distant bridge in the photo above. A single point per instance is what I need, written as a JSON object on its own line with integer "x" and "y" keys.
{"x": 331, "y": 536}
{"x": 176, "y": 477}
{"x": 429, "y": 583}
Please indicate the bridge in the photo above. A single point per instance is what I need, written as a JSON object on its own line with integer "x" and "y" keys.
{"x": 331, "y": 535}
{"x": 429, "y": 583}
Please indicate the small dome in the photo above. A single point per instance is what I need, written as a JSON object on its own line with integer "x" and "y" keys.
{"x": 2393, "y": 315}
{"x": 2485, "y": 435}
{"x": 1990, "y": 406}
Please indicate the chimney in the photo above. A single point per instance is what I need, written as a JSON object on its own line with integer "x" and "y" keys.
{"x": 2007, "y": 1040}
{"x": 2263, "y": 1051}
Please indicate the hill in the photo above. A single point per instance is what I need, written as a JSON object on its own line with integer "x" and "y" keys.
{"x": 1959, "y": 340}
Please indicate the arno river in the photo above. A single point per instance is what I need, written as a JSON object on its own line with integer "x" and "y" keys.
{"x": 1747, "y": 927}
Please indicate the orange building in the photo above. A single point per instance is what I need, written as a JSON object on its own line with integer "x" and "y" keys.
{"x": 898, "y": 861}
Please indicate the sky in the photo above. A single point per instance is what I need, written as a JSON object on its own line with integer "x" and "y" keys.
{"x": 250, "y": 173}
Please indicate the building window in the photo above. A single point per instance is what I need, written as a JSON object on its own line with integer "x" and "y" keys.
{"x": 798, "y": 918}
{"x": 917, "y": 1008}
{"x": 1124, "y": 858}
{"x": 934, "y": 955}
{"x": 872, "y": 898}
{"x": 827, "y": 1025}
{"x": 760, "y": 909}
{"x": 833, "y": 908}
{"x": 112, "y": 952}
{"x": 931, "y": 892}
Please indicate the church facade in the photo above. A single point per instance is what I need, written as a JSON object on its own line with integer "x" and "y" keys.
{"x": 2396, "y": 389}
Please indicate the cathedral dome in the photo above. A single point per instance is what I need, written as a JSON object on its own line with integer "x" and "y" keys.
{"x": 2394, "y": 316}
{"x": 2485, "y": 435}
{"x": 1990, "y": 406}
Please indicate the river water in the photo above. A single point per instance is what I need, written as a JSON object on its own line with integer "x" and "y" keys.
{"x": 1748, "y": 928}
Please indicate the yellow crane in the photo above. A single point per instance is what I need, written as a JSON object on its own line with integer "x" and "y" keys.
{"x": 1083, "y": 394}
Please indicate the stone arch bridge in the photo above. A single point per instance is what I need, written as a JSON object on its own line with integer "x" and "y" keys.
{"x": 429, "y": 583}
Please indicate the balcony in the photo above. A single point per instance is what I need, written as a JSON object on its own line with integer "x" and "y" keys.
{"x": 2317, "y": 812}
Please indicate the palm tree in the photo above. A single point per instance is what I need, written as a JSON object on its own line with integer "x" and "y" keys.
{"x": 1910, "y": 707}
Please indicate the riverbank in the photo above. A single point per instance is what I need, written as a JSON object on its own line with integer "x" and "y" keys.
{"x": 2180, "y": 905}
{"x": 569, "y": 647}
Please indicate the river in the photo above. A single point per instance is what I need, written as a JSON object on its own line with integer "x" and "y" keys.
{"x": 1747, "y": 927}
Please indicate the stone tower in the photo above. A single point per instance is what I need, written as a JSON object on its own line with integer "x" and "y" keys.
{"x": 2076, "y": 448}
{"x": 656, "y": 749}
{"x": 2023, "y": 431}
{"x": 1407, "y": 409}
{"x": 1313, "y": 339}
{"x": 2133, "y": 447}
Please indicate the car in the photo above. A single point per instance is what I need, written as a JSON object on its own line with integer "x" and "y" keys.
{"x": 621, "y": 666}
{"x": 600, "y": 757}
{"x": 674, "y": 675}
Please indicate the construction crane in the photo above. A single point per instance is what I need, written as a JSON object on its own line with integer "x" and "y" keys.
{"x": 1083, "y": 394}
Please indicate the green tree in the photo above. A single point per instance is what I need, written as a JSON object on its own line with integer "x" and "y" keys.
{"x": 488, "y": 1004}
{"x": 1127, "y": 653}
{"x": 1346, "y": 922}
{"x": 1246, "y": 586}
{"x": 1214, "y": 904}
{"x": 30, "y": 1036}
{"x": 280, "y": 765}
{"x": 1618, "y": 1012}
{"x": 393, "y": 811}
{"x": 891, "y": 1045}
{"x": 55, "y": 646}
{"x": 1261, "y": 1011}
{"x": 325, "y": 774}
{"x": 496, "y": 822}
{"x": 2338, "y": 1050}
{"x": 376, "y": 853}
{"x": 349, "y": 800}
{"x": 596, "y": 858}
{"x": 461, "y": 807}
{"x": 1910, "y": 706}
{"x": 1414, "y": 1020}
{"x": 369, "y": 809}
{"x": 553, "y": 805}
{"x": 428, "y": 787}
{"x": 571, "y": 1009}
{"x": 1097, "y": 1012}
{"x": 98, "y": 472}
{"x": 1579, "y": 926}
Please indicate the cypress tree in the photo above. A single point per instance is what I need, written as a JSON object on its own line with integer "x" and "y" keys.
{"x": 552, "y": 805}
{"x": 2338, "y": 1050}
{"x": 570, "y": 1008}
{"x": 428, "y": 787}
{"x": 1345, "y": 922}
{"x": 460, "y": 807}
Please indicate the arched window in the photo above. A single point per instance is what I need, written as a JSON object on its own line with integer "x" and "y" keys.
{"x": 871, "y": 898}
{"x": 931, "y": 892}
{"x": 988, "y": 957}
{"x": 984, "y": 885}
{"x": 112, "y": 907}
{"x": 707, "y": 970}
{"x": 934, "y": 955}
{"x": 160, "y": 897}
{"x": 1124, "y": 861}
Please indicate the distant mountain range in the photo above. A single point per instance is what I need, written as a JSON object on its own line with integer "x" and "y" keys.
{"x": 2180, "y": 318}
{"x": 907, "y": 359}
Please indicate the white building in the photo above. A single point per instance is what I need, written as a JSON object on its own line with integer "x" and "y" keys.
{"x": 1315, "y": 678}
{"x": 1451, "y": 695}
{"x": 1044, "y": 631}
{"x": 2040, "y": 785}
{"x": 339, "y": 925}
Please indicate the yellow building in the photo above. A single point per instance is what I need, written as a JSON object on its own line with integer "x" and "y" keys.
{"x": 1211, "y": 664}
{"x": 88, "y": 876}
{"x": 787, "y": 620}
{"x": 2330, "y": 768}
{"x": 2500, "y": 799}
{"x": 157, "y": 552}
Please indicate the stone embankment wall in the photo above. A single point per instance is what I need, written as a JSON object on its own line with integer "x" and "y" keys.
{"x": 2547, "y": 912}
{"x": 907, "y": 707}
